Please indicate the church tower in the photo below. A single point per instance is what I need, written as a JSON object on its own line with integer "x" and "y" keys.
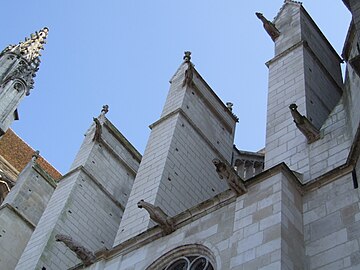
{"x": 18, "y": 66}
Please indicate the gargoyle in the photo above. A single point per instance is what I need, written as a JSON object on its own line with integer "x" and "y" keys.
{"x": 304, "y": 125}
{"x": 232, "y": 178}
{"x": 270, "y": 28}
{"x": 85, "y": 255}
{"x": 158, "y": 216}
{"x": 98, "y": 130}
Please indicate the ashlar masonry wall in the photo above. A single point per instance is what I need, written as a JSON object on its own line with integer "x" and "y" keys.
{"x": 332, "y": 226}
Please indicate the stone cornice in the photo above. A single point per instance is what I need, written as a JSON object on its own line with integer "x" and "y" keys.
{"x": 101, "y": 187}
{"x": 116, "y": 156}
{"x": 20, "y": 215}
{"x": 193, "y": 125}
{"x": 118, "y": 135}
{"x": 45, "y": 175}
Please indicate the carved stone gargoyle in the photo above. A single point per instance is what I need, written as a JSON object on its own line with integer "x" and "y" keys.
{"x": 98, "y": 130}
{"x": 86, "y": 256}
{"x": 158, "y": 216}
{"x": 225, "y": 171}
{"x": 269, "y": 27}
{"x": 304, "y": 125}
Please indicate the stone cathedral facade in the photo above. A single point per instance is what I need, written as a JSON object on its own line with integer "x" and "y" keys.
{"x": 193, "y": 201}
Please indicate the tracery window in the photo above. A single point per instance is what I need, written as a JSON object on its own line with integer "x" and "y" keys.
{"x": 186, "y": 257}
{"x": 190, "y": 263}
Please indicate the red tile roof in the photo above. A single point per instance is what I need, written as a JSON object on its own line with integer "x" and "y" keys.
{"x": 18, "y": 153}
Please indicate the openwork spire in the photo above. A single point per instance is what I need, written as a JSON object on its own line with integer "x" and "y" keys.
{"x": 30, "y": 49}
{"x": 28, "y": 65}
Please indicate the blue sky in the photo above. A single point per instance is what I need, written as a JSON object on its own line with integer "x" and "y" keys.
{"x": 123, "y": 53}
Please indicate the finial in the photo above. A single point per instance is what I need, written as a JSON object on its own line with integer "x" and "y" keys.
{"x": 229, "y": 105}
{"x": 35, "y": 155}
{"x": 270, "y": 28}
{"x": 105, "y": 109}
{"x": 187, "y": 56}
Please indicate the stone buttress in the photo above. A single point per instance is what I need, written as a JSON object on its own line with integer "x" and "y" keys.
{"x": 88, "y": 203}
{"x": 21, "y": 211}
{"x": 18, "y": 66}
{"x": 177, "y": 172}
{"x": 306, "y": 118}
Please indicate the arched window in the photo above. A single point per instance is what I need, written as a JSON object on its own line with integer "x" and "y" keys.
{"x": 187, "y": 257}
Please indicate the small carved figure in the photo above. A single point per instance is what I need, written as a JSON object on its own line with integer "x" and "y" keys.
{"x": 35, "y": 155}
{"x": 228, "y": 173}
{"x": 189, "y": 73}
{"x": 187, "y": 56}
{"x": 105, "y": 109}
{"x": 158, "y": 216}
{"x": 229, "y": 105}
{"x": 85, "y": 255}
{"x": 270, "y": 28}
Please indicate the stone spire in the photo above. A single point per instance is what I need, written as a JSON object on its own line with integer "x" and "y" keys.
{"x": 18, "y": 66}
{"x": 30, "y": 49}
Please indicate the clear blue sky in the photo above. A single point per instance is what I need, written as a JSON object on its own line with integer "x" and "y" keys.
{"x": 123, "y": 53}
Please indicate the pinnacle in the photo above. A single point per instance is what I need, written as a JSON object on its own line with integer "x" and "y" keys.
{"x": 31, "y": 47}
